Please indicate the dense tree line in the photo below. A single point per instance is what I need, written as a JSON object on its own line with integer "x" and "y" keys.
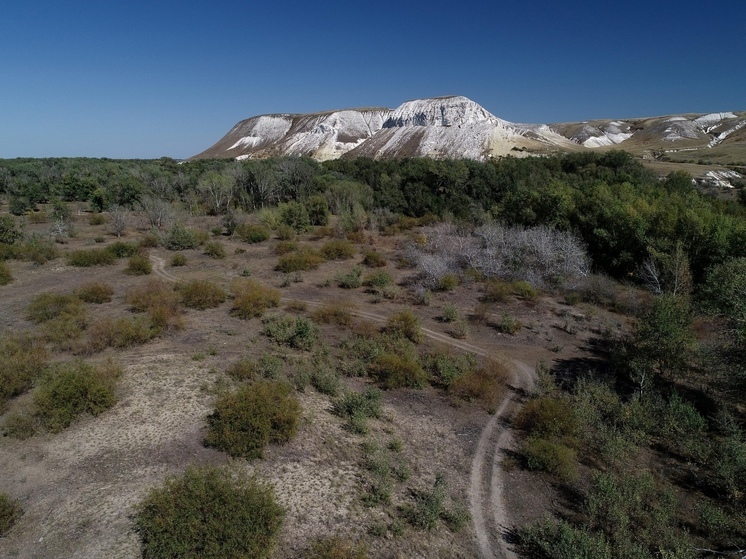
{"x": 621, "y": 211}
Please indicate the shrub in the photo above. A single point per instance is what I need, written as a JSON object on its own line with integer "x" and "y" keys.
{"x": 395, "y": 371}
{"x": 251, "y": 298}
{"x": 299, "y": 333}
{"x": 326, "y": 381}
{"x": 448, "y": 282}
{"x": 445, "y": 367}
{"x": 122, "y": 250}
{"x": 524, "y": 290}
{"x": 378, "y": 280}
{"x": 547, "y": 417}
{"x": 255, "y": 415}
{"x": 284, "y": 247}
{"x": 95, "y": 292}
{"x": 244, "y": 369}
{"x": 91, "y": 257}
{"x": 139, "y": 265}
{"x": 9, "y": 231}
{"x": 10, "y": 512}
{"x": 38, "y": 250}
{"x": 560, "y": 540}
{"x": 459, "y": 329}
{"x": 351, "y": 280}
{"x": 72, "y": 389}
{"x": 178, "y": 260}
{"x": 299, "y": 261}
{"x": 358, "y": 407}
{"x": 209, "y": 513}
{"x": 285, "y": 233}
{"x": 215, "y": 249}
{"x": 153, "y": 294}
{"x": 497, "y": 291}
{"x": 47, "y": 306}
{"x": 149, "y": 240}
{"x": 318, "y": 209}
{"x": 334, "y": 313}
{"x": 449, "y": 314}
{"x": 405, "y": 324}
{"x": 251, "y": 233}
{"x": 118, "y": 332}
{"x": 202, "y": 294}
{"x": 22, "y": 360}
{"x": 5, "y": 276}
{"x": 374, "y": 259}
{"x": 19, "y": 426}
{"x": 180, "y": 238}
{"x": 552, "y": 457}
{"x": 508, "y": 324}
{"x": 336, "y": 548}
{"x": 485, "y": 384}
{"x": 337, "y": 249}
{"x": 294, "y": 214}
{"x": 428, "y": 506}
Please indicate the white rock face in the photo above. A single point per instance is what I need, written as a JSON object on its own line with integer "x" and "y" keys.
{"x": 440, "y": 111}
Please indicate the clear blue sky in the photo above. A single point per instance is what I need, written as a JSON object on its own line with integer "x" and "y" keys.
{"x": 165, "y": 78}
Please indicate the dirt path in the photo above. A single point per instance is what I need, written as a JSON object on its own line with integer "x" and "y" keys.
{"x": 486, "y": 487}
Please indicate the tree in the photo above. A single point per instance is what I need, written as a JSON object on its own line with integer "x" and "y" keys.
{"x": 9, "y": 231}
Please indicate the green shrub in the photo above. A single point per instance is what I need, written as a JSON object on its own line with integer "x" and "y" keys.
{"x": 352, "y": 279}
{"x": 118, "y": 332}
{"x": 548, "y": 417}
{"x": 47, "y": 306}
{"x": 9, "y": 231}
{"x": 38, "y": 250}
{"x": 497, "y": 291}
{"x": 524, "y": 290}
{"x": 10, "y": 512}
{"x": 445, "y": 367}
{"x": 22, "y": 360}
{"x": 552, "y": 457}
{"x": 448, "y": 282}
{"x": 337, "y": 249}
{"x": 139, "y": 265}
{"x": 486, "y": 384}
{"x": 178, "y": 260}
{"x": 378, "y": 280}
{"x": 299, "y": 261}
{"x": 294, "y": 214}
{"x": 459, "y": 329}
{"x": 201, "y": 294}
{"x": 97, "y": 219}
{"x": 335, "y": 547}
{"x": 395, "y": 371}
{"x": 244, "y": 369}
{"x": 285, "y": 233}
{"x": 449, "y": 313}
{"x": 255, "y": 415}
{"x": 318, "y": 209}
{"x": 559, "y": 540}
{"x": 428, "y": 506}
{"x": 251, "y": 233}
{"x": 251, "y": 298}
{"x": 508, "y": 324}
{"x": 209, "y": 513}
{"x": 95, "y": 292}
{"x": 405, "y": 324}
{"x": 122, "y": 250}
{"x": 85, "y": 258}
{"x": 284, "y": 247}
{"x": 326, "y": 381}
{"x": 358, "y": 407}
{"x": 215, "y": 249}
{"x": 71, "y": 389}
{"x": 149, "y": 240}
{"x": 334, "y": 313}
{"x": 19, "y": 426}
{"x": 298, "y": 333}
{"x": 180, "y": 238}
{"x": 374, "y": 259}
{"x": 5, "y": 276}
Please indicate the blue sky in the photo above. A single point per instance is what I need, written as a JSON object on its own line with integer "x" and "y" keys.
{"x": 165, "y": 78}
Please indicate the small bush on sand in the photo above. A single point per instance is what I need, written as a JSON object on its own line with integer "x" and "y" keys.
{"x": 71, "y": 389}
{"x": 352, "y": 279}
{"x": 285, "y": 247}
{"x": 486, "y": 384}
{"x": 378, "y": 280}
{"x": 251, "y": 298}
{"x": 298, "y": 333}
{"x": 215, "y": 249}
{"x": 255, "y": 415}
{"x": 396, "y": 371}
{"x": 20, "y": 426}
{"x": 47, "y": 306}
{"x": 122, "y": 250}
{"x": 95, "y": 292}
{"x": 374, "y": 259}
{"x": 337, "y": 249}
{"x": 244, "y": 369}
{"x": 209, "y": 513}
{"x": 85, "y": 258}
{"x": 299, "y": 261}
{"x": 180, "y": 238}
{"x": 334, "y": 313}
{"x": 251, "y": 233}
{"x": 117, "y": 332}
{"x": 445, "y": 367}
{"x": 139, "y": 265}
{"x": 5, "y": 276}
{"x": 201, "y": 294}
{"x": 358, "y": 407}
{"x": 405, "y": 324}
{"x": 10, "y": 512}
{"x": 497, "y": 291}
{"x": 22, "y": 360}
{"x": 178, "y": 260}
{"x": 336, "y": 548}
{"x": 552, "y": 457}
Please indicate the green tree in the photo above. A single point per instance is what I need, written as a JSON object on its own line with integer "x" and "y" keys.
{"x": 9, "y": 231}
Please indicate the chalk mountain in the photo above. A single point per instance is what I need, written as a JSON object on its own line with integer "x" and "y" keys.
{"x": 457, "y": 127}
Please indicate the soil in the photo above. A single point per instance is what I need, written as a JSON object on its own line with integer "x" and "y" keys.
{"x": 79, "y": 488}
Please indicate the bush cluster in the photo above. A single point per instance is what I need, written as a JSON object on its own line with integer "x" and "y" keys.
{"x": 139, "y": 265}
{"x": 398, "y": 371}
{"x": 338, "y": 249}
{"x": 485, "y": 384}
{"x": 249, "y": 233}
{"x": 201, "y": 294}
{"x": 405, "y": 324}
{"x": 334, "y": 313}
{"x": 209, "y": 513}
{"x": 298, "y": 332}
{"x": 358, "y": 407}
{"x": 299, "y": 261}
{"x": 253, "y": 416}
{"x": 95, "y": 292}
{"x": 91, "y": 257}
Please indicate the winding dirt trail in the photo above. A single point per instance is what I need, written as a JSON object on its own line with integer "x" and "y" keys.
{"x": 487, "y": 484}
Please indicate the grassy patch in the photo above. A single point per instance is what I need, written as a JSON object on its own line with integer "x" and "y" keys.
{"x": 178, "y": 260}
{"x": 47, "y": 306}
{"x": 374, "y": 259}
{"x": 334, "y": 547}
{"x": 358, "y": 407}
{"x": 251, "y": 299}
{"x": 71, "y": 389}
{"x": 209, "y": 513}
{"x": 255, "y": 415}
